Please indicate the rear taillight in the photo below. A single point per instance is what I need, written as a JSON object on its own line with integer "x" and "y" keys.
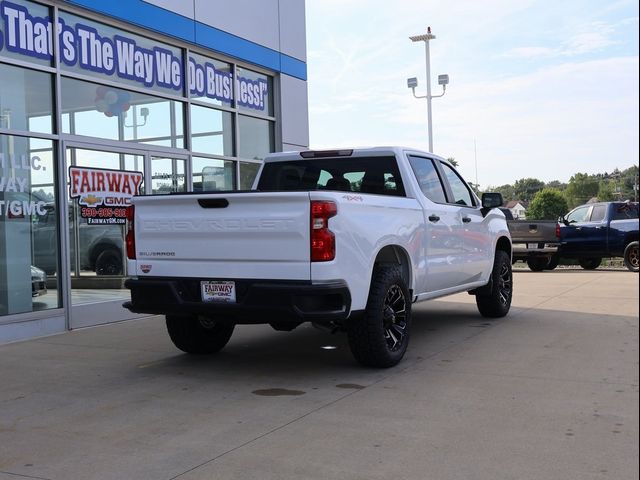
{"x": 130, "y": 238}
{"x": 558, "y": 231}
{"x": 323, "y": 241}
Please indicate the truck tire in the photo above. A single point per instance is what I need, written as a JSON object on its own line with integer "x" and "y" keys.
{"x": 554, "y": 260}
{"x": 631, "y": 256}
{"x": 109, "y": 262}
{"x": 497, "y": 302}
{"x": 537, "y": 264}
{"x": 590, "y": 263}
{"x": 379, "y": 338}
{"x": 198, "y": 335}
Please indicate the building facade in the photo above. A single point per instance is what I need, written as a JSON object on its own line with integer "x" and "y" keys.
{"x": 103, "y": 100}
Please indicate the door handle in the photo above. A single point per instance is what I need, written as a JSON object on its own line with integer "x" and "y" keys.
{"x": 599, "y": 227}
{"x": 466, "y": 219}
{"x": 434, "y": 218}
{"x": 578, "y": 228}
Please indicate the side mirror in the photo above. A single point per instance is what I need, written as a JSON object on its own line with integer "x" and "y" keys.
{"x": 492, "y": 200}
{"x": 562, "y": 220}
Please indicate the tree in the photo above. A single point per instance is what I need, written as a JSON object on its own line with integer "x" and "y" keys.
{"x": 606, "y": 191}
{"x": 452, "y": 161}
{"x": 581, "y": 188}
{"x": 506, "y": 191}
{"x": 526, "y": 188}
{"x": 556, "y": 184}
{"x": 547, "y": 204}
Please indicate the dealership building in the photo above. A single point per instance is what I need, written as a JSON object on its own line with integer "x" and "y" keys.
{"x": 101, "y": 100}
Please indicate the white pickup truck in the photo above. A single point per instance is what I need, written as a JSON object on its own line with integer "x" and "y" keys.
{"x": 345, "y": 239}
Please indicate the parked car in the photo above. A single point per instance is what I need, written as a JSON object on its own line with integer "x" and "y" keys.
{"x": 100, "y": 245}
{"x": 607, "y": 229}
{"x": 38, "y": 282}
{"x": 345, "y": 239}
{"x": 535, "y": 242}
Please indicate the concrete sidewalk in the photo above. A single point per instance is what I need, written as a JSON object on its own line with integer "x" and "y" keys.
{"x": 550, "y": 392}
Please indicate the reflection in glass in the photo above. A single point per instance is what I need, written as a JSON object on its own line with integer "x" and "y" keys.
{"x": 211, "y": 131}
{"x": 29, "y": 247}
{"x": 167, "y": 175}
{"x": 254, "y": 92}
{"x": 210, "y": 174}
{"x": 116, "y": 114}
{"x": 37, "y": 54}
{"x": 25, "y": 99}
{"x": 248, "y": 172}
{"x": 256, "y": 137}
{"x": 126, "y": 70}
{"x": 101, "y": 247}
{"x": 210, "y": 80}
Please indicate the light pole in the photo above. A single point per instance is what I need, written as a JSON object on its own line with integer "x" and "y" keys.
{"x": 443, "y": 80}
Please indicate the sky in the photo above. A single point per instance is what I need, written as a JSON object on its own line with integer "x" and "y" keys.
{"x": 538, "y": 88}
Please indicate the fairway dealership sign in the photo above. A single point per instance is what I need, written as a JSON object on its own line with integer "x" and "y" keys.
{"x": 103, "y": 195}
{"x": 84, "y": 46}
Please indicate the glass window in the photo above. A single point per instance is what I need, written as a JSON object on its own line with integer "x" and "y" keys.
{"x": 211, "y": 131}
{"x": 115, "y": 114}
{"x": 376, "y": 175}
{"x": 96, "y": 49}
{"x": 210, "y": 174}
{"x": 461, "y": 193}
{"x": 25, "y": 99}
{"x": 248, "y": 173}
{"x": 578, "y": 215}
{"x": 254, "y": 91}
{"x": 210, "y": 80}
{"x": 428, "y": 179}
{"x": 256, "y": 137}
{"x": 598, "y": 213}
{"x": 624, "y": 211}
{"x": 29, "y": 232}
{"x": 31, "y": 44}
{"x": 167, "y": 175}
{"x": 96, "y": 211}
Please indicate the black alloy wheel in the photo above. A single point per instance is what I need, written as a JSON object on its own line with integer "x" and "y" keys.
{"x": 505, "y": 286}
{"x": 496, "y": 302}
{"x": 394, "y": 318}
{"x": 380, "y": 336}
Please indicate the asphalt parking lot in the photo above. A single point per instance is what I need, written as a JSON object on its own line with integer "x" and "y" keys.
{"x": 550, "y": 392}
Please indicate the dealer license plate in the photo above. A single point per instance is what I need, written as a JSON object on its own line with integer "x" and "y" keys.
{"x": 214, "y": 291}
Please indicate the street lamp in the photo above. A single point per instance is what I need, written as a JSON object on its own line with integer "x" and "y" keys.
{"x": 443, "y": 80}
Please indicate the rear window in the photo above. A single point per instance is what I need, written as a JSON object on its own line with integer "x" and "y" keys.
{"x": 376, "y": 175}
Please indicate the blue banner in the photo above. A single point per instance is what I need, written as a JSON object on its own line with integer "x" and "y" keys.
{"x": 120, "y": 56}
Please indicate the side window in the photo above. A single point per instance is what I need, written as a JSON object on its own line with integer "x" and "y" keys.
{"x": 625, "y": 211}
{"x": 578, "y": 215}
{"x": 461, "y": 193}
{"x": 598, "y": 213}
{"x": 428, "y": 179}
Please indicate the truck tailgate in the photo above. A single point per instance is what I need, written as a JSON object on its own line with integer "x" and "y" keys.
{"x": 534, "y": 231}
{"x": 226, "y": 235}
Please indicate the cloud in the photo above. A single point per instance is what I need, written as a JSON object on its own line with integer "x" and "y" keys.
{"x": 530, "y": 52}
{"x": 597, "y": 36}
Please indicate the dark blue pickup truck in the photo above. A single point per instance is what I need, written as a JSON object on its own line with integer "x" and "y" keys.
{"x": 590, "y": 232}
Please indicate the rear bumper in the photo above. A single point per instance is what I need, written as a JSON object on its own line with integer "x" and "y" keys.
{"x": 541, "y": 249}
{"x": 257, "y": 301}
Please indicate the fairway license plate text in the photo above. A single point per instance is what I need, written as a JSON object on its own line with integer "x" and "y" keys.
{"x": 213, "y": 291}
